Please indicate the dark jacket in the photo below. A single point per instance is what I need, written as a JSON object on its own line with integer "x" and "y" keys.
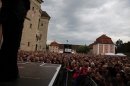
{"x": 15, "y": 3}
{"x": 14, "y": 10}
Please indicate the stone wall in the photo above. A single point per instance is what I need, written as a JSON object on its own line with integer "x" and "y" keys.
{"x": 34, "y": 27}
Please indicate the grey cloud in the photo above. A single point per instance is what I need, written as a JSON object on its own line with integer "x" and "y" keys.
{"x": 82, "y": 21}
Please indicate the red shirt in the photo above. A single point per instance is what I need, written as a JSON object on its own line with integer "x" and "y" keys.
{"x": 85, "y": 71}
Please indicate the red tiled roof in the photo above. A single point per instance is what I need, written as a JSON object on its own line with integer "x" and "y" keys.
{"x": 103, "y": 39}
{"x": 54, "y": 43}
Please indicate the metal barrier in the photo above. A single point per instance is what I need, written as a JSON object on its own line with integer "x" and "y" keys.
{"x": 92, "y": 82}
{"x": 69, "y": 81}
{"x": 88, "y": 81}
{"x": 62, "y": 78}
{"x": 67, "y": 78}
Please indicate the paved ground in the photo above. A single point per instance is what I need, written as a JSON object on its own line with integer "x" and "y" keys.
{"x": 34, "y": 74}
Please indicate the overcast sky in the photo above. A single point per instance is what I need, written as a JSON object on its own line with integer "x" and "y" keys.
{"x": 82, "y": 21}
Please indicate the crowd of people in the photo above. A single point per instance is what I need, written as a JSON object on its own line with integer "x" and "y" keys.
{"x": 103, "y": 70}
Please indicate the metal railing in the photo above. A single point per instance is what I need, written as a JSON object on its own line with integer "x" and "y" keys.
{"x": 69, "y": 81}
{"x": 87, "y": 81}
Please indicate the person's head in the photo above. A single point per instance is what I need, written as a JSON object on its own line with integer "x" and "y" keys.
{"x": 77, "y": 64}
{"x": 120, "y": 77}
{"x": 117, "y": 67}
{"x": 128, "y": 77}
{"x": 99, "y": 66}
{"x": 36, "y": 59}
{"x": 86, "y": 64}
{"x": 104, "y": 68}
{"x": 110, "y": 71}
{"x": 127, "y": 70}
{"x": 92, "y": 65}
{"x": 72, "y": 63}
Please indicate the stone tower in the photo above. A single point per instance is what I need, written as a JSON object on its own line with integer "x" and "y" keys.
{"x": 43, "y": 29}
{"x": 35, "y": 28}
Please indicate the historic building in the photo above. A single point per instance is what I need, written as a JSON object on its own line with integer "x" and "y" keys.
{"x": 59, "y": 48}
{"x": 102, "y": 45}
{"x": 35, "y": 29}
{"x": 54, "y": 47}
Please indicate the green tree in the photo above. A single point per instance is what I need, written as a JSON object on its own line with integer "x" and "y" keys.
{"x": 127, "y": 47}
{"x": 119, "y": 46}
{"x": 82, "y": 49}
{"x": 47, "y": 47}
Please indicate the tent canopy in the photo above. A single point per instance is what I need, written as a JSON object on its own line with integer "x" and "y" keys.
{"x": 109, "y": 54}
{"x": 60, "y": 52}
{"x": 120, "y": 54}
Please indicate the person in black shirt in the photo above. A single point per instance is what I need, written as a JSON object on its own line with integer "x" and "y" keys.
{"x": 12, "y": 15}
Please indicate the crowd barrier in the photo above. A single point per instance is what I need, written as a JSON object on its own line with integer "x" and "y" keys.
{"x": 85, "y": 81}
{"x": 65, "y": 78}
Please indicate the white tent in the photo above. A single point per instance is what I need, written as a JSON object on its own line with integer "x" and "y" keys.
{"x": 73, "y": 52}
{"x": 120, "y": 54}
{"x": 109, "y": 54}
{"x": 60, "y": 52}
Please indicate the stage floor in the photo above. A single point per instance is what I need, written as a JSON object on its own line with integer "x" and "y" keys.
{"x": 37, "y": 74}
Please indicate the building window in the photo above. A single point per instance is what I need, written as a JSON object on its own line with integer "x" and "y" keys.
{"x": 36, "y": 47}
{"x": 37, "y": 37}
{"x": 38, "y": 23}
{"x": 28, "y": 43}
{"x": 40, "y": 36}
{"x": 32, "y": 8}
{"x": 30, "y": 25}
{"x": 42, "y": 24}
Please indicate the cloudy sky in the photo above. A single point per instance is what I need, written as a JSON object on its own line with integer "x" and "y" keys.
{"x": 82, "y": 21}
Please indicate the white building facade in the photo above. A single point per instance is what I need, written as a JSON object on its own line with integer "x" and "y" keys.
{"x": 103, "y": 45}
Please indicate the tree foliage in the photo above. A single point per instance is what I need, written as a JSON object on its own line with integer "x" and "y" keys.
{"x": 47, "y": 46}
{"x": 121, "y": 47}
{"x": 82, "y": 49}
{"x": 127, "y": 47}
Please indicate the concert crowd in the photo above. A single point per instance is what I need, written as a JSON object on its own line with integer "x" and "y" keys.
{"x": 102, "y": 70}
